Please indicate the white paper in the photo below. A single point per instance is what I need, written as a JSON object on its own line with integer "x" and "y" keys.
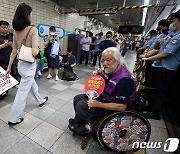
{"x": 55, "y": 48}
{"x": 6, "y": 83}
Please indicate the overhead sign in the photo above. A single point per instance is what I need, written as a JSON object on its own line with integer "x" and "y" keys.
{"x": 130, "y": 29}
{"x": 6, "y": 83}
{"x": 43, "y": 30}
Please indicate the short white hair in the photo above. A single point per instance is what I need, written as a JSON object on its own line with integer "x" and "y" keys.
{"x": 117, "y": 55}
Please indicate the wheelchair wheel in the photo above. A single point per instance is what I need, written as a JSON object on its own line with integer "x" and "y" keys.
{"x": 118, "y": 131}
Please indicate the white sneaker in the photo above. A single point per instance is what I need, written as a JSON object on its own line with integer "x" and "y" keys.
{"x": 39, "y": 73}
{"x": 49, "y": 76}
{"x": 57, "y": 78}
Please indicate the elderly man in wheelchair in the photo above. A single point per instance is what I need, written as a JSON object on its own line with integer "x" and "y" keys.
{"x": 118, "y": 94}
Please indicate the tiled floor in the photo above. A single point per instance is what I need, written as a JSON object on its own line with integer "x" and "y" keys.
{"x": 44, "y": 130}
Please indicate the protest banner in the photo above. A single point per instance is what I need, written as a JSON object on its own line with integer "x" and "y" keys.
{"x": 6, "y": 83}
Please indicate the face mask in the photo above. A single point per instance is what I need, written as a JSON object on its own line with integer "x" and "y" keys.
{"x": 171, "y": 27}
{"x": 165, "y": 31}
{"x": 52, "y": 33}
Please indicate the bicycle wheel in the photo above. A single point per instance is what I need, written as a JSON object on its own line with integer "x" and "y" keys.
{"x": 118, "y": 131}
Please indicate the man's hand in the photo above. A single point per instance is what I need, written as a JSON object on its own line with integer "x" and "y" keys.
{"x": 9, "y": 43}
{"x": 161, "y": 40}
{"x": 142, "y": 56}
{"x": 96, "y": 72}
{"x": 93, "y": 103}
{"x": 8, "y": 71}
{"x": 145, "y": 59}
{"x": 51, "y": 39}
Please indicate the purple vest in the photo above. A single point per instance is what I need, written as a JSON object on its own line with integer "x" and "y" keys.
{"x": 111, "y": 84}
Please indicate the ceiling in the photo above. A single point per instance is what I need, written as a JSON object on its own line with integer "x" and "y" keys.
{"x": 122, "y": 17}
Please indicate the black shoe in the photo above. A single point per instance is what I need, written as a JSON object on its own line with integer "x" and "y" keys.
{"x": 72, "y": 127}
{"x": 12, "y": 124}
{"x": 71, "y": 121}
{"x": 45, "y": 100}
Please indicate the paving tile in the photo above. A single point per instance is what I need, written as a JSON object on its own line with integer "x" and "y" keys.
{"x": 5, "y": 107}
{"x": 67, "y": 83}
{"x": 59, "y": 119}
{"x": 50, "y": 92}
{"x": 9, "y": 98}
{"x": 72, "y": 91}
{"x": 49, "y": 152}
{"x": 68, "y": 108}
{"x": 31, "y": 104}
{"x": 59, "y": 87}
{"x": 65, "y": 96}
{"x": 78, "y": 86}
{"x": 82, "y": 81}
{"x": 97, "y": 150}
{"x": 55, "y": 103}
{"x": 30, "y": 122}
{"x": 54, "y": 81}
{"x": 2, "y": 124}
{"x": 158, "y": 135}
{"x": 26, "y": 146}
{"x": 4, "y": 115}
{"x": 45, "y": 135}
{"x": 8, "y": 137}
{"x": 42, "y": 112}
{"x": 3, "y": 103}
{"x": 67, "y": 144}
{"x": 157, "y": 123}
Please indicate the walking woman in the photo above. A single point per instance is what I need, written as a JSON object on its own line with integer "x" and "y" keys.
{"x": 22, "y": 26}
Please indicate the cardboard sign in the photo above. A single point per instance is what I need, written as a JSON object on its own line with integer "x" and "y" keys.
{"x": 94, "y": 86}
{"x": 6, "y": 83}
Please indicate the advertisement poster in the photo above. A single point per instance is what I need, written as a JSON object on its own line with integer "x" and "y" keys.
{"x": 6, "y": 83}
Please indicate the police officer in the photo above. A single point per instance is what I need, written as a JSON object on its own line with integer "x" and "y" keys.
{"x": 166, "y": 64}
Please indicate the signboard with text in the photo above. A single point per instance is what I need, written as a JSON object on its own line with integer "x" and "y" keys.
{"x": 6, "y": 83}
{"x": 43, "y": 30}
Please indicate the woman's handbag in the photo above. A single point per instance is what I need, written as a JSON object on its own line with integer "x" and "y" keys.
{"x": 25, "y": 53}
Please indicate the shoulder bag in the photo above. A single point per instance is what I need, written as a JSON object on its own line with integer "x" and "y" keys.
{"x": 25, "y": 53}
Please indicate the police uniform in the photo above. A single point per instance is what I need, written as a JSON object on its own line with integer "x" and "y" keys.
{"x": 164, "y": 72}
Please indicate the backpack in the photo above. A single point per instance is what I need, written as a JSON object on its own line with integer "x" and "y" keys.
{"x": 69, "y": 75}
{"x": 47, "y": 50}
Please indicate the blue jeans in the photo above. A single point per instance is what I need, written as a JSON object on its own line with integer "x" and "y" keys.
{"x": 39, "y": 66}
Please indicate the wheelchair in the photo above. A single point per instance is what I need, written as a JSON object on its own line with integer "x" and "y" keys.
{"x": 118, "y": 131}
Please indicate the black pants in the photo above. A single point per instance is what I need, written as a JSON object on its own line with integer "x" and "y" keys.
{"x": 124, "y": 52}
{"x": 161, "y": 79}
{"x": 148, "y": 71}
{"x": 4, "y": 65}
{"x": 97, "y": 54}
{"x": 86, "y": 54}
{"x": 83, "y": 114}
